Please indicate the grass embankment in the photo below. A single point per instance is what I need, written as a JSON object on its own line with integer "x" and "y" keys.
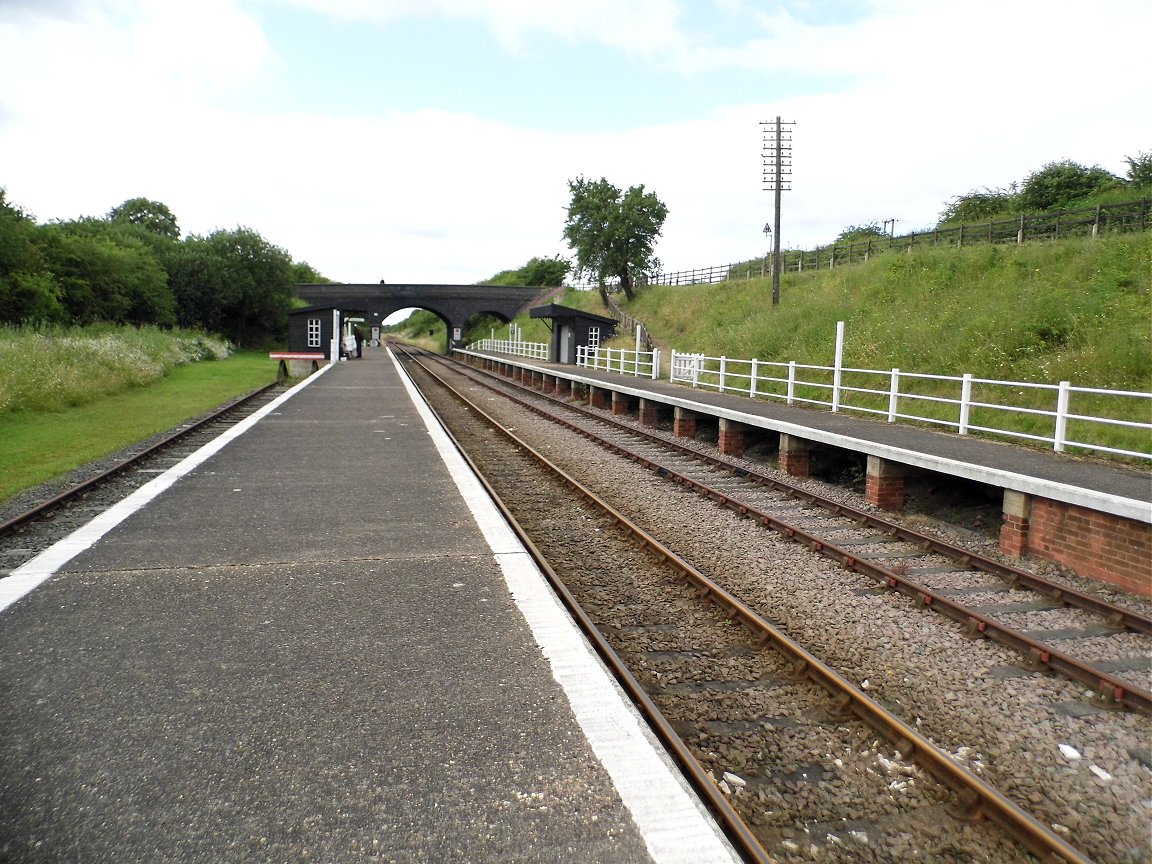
{"x": 1075, "y": 310}
{"x": 68, "y": 397}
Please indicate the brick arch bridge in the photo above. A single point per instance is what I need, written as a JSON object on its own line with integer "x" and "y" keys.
{"x": 454, "y": 304}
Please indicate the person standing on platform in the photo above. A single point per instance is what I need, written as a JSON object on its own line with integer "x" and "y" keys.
{"x": 359, "y": 335}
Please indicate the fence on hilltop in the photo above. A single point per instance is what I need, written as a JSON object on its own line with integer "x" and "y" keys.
{"x": 1130, "y": 216}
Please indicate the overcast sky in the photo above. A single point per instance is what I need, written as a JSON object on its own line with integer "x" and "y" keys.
{"x": 432, "y": 140}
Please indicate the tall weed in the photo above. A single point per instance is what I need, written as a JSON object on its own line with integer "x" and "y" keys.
{"x": 53, "y": 368}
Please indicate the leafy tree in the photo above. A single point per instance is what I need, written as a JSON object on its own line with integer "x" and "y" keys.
{"x": 613, "y": 232}
{"x": 538, "y": 272}
{"x": 106, "y": 274}
{"x": 1139, "y": 170}
{"x": 304, "y": 273}
{"x": 28, "y": 293}
{"x": 1059, "y": 184}
{"x": 152, "y": 216}
{"x": 853, "y": 233}
{"x": 545, "y": 272}
{"x": 234, "y": 283}
{"x": 979, "y": 206}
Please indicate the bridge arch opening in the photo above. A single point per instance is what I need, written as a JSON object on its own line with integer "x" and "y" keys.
{"x": 454, "y": 305}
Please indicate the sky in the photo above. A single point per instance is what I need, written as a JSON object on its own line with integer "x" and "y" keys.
{"x": 432, "y": 141}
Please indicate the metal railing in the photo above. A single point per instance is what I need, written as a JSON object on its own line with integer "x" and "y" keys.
{"x": 896, "y": 395}
{"x": 641, "y": 364}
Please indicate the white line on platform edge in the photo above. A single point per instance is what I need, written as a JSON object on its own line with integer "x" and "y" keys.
{"x": 670, "y": 818}
{"x": 30, "y": 575}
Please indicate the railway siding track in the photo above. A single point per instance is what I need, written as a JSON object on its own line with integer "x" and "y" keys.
{"x": 1084, "y": 771}
{"x": 1102, "y": 645}
{"x": 33, "y": 521}
{"x": 729, "y": 664}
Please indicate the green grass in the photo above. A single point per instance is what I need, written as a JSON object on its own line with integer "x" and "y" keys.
{"x": 1078, "y": 310}
{"x": 44, "y": 369}
{"x": 40, "y": 445}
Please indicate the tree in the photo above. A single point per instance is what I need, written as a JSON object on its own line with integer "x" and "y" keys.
{"x": 304, "y": 273}
{"x": 853, "y": 233}
{"x": 545, "y": 272}
{"x": 613, "y": 232}
{"x": 106, "y": 273}
{"x": 232, "y": 282}
{"x": 152, "y": 216}
{"x": 979, "y": 206}
{"x": 1139, "y": 170}
{"x": 28, "y": 292}
{"x": 1059, "y": 184}
{"x": 538, "y": 272}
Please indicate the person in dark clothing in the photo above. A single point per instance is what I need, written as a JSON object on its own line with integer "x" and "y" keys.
{"x": 359, "y": 336}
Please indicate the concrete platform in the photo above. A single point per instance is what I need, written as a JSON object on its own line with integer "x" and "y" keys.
{"x": 316, "y": 641}
{"x": 1110, "y": 488}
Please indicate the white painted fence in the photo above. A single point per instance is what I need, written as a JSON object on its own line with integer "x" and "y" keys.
{"x": 534, "y": 350}
{"x": 642, "y": 364}
{"x": 892, "y": 394}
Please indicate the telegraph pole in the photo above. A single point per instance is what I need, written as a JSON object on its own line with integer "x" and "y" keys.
{"x": 777, "y": 170}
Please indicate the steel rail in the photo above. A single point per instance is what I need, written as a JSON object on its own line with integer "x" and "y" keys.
{"x": 1118, "y": 616}
{"x": 736, "y": 829}
{"x": 1108, "y": 690}
{"x": 976, "y": 799}
{"x": 43, "y": 509}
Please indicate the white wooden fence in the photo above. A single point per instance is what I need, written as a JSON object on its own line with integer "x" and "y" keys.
{"x": 894, "y": 395}
{"x": 534, "y": 350}
{"x": 642, "y": 364}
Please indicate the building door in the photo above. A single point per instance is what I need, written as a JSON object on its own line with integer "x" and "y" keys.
{"x": 566, "y": 350}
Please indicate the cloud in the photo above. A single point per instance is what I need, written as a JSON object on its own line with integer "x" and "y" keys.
{"x": 124, "y": 98}
{"x": 635, "y": 26}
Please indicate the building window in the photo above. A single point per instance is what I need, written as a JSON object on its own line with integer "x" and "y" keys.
{"x": 593, "y": 337}
{"x": 313, "y": 332}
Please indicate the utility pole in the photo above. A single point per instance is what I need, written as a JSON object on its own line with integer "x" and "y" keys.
{"x": 777, "y": 170}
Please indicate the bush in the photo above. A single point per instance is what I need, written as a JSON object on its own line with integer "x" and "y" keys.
{"x": 1060, "y": 184}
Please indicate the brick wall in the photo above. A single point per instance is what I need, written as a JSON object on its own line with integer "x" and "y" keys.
{"x": 1096, "y": 545}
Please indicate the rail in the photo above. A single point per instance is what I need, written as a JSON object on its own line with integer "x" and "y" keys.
{"x": 641, "y": 364}
{"x": 979, "y": 401}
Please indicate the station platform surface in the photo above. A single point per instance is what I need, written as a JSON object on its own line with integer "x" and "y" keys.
{"x": 1093, "y": 483}
{"x": 316, "y": 641}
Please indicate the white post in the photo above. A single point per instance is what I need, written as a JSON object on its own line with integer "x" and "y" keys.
{"x": 752, "y": 383}
{"x": 965, "y": 403}
{"x": 655, "y": 363}
{"x": 335, "y": 349}
{"x": 893, "y": 395}
{"x": 839, "y": 364}
{"x": 791, "y": 381}
{"x": 723, "y": 370}
{"x": 1062, "y": 416}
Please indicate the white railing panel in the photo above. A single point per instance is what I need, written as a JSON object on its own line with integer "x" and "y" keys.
{"x": 727, "y": 374}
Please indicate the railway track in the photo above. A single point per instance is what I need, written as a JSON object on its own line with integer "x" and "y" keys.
{"x": 700, "y": 680}
{"x": 1103, "y": 645}
{"x": 35, "y": 520}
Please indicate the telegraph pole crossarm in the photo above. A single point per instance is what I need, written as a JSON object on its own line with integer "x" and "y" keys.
{"x": 777, "y": 170}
